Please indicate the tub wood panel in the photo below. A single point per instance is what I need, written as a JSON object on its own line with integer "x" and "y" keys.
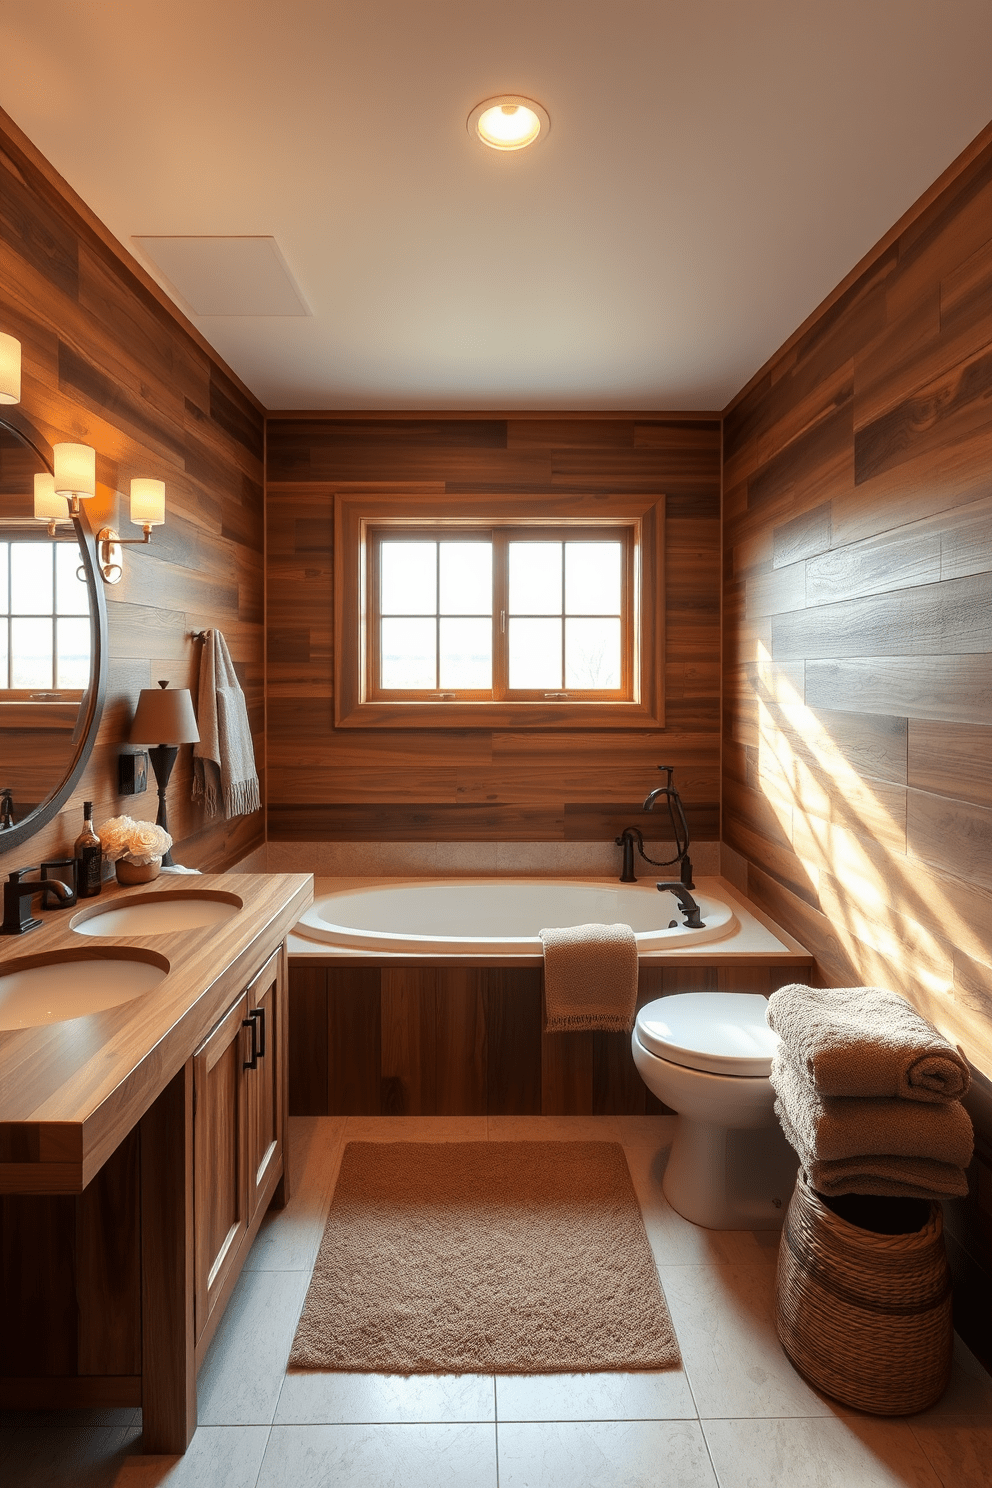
{"x": 457, "y": 1041}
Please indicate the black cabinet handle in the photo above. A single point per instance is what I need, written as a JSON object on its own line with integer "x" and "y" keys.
{"x": 251, "y": 1063}
{"x": 259, "y": 1013}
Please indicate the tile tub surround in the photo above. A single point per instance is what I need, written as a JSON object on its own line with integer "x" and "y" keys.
{"x": 474, "y": 859}
{"x": 736, "y": 1415}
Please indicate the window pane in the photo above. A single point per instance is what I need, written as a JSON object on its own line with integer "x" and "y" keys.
{"x": 592, "y": 578}
{"x": 466, "y": 579}
{"x": 535, "y": 582}
{"x": 466, "y": 653}
{"x": 31, "y": 643}
{"x": 535, "y": 653}
{"x": 4, "y": 596}
{"x": 592, "y": 653}
{"x": 71, "y": 597}
{"x": 31, "y": 591}
{"x": 72, "y": 660}
{"x": 408, "y": 653}
{"x": 408, "y": 579}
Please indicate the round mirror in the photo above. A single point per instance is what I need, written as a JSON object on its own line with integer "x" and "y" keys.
{"x": 53, "y": 641}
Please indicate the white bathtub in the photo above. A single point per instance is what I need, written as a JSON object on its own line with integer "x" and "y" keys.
{"x": 502, "y": 916}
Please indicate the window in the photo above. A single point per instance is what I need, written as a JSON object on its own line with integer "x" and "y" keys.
{"x": 44, "y": 618}
{"x": 477, "y": 612}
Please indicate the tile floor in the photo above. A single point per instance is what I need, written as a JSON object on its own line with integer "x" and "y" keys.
{"x": 737, "y": 1416}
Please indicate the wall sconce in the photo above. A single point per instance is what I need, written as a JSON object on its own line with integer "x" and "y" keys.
{"x": 10, "y": 369}
{"x": 75, "y": 474}
{"x": 48, "y": 505}
{"x": 147, "y": 511}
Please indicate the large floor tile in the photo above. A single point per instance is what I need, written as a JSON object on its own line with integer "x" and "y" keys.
{"x": 968, "y": 1398}
{"x": 63, "y": 1456}
{"x": 415, "y": 1129}
{"x": 448, "y": 1456}
{"x": 646, "y": 1131}
{"x": 961, "y": 1456}
{"x": 604, "y": 1454}
{"x": 827, "y": 1452}
{"x": 725, "y": 1324}
{"x": 323, "y": 1397}
{"x": 594, "y": 1397}
{"x": 289, "y": 1238}
{"x": 243, "y": 1372}
{"x": 217, "y": 1457}
{"x": 553, "y": 1129}
{"x": 676, "y": 1242}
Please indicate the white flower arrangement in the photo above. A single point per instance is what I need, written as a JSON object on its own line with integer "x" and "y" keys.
{"x": 137, "y": 841}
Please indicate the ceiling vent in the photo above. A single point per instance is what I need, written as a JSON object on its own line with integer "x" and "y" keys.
{"x": 225, "y": 276}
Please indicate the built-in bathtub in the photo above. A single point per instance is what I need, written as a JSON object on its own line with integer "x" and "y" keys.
{"x": 503, "y": 916}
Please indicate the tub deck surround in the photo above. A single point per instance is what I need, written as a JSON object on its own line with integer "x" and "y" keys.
{"x": 756, "y": 937}
{"x": 70, "y": 1092}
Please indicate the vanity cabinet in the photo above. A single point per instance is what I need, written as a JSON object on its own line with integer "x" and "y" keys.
{"x": 238, "y": 1136}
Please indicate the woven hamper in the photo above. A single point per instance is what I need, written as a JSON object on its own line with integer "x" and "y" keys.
{"x": 864, "y": 1317}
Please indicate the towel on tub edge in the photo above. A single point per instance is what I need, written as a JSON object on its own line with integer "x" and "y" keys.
{"x": 590, "y": 978}
{"x": 836, "y": 1128}
{"x": 865, "y": 1041}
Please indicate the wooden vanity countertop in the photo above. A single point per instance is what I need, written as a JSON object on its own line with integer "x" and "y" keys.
{"x": 70, "y": 1092}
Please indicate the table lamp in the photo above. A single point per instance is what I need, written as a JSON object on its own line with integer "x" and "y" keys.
{"x": 169, "y": 718}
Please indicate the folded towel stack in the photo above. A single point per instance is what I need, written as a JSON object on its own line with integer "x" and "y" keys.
{"x": 868, "y": 1093}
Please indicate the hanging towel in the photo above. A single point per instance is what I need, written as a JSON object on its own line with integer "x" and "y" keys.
{"x": 590, "y": 978}
{"x": 864, "y": 1041}
{"x": 224, "y": 760}
{"x": 833, "y": 1128}
{"x": 878, "y": 1173}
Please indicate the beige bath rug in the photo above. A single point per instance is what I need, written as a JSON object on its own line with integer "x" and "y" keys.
{"x": 484, "y": 1257}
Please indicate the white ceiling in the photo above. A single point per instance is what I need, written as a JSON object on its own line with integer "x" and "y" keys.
{"x": 714, "y": 168}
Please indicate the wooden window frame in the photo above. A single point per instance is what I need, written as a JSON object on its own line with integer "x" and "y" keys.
{"x": 359, "y": 516}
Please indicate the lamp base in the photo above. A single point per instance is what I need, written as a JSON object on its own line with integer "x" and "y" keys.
{"x": 163, "y": 757}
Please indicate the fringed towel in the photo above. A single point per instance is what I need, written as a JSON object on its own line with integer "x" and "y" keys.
{"x": 590, "y": 978}
{"x": 224, "y": 761}
{"x": 864, "y": 1041}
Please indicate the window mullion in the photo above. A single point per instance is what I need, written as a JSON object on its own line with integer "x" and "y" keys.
{"x": 501, "y": 620}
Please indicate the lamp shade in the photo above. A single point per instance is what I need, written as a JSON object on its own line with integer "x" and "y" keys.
{"x": 10, "y": 369}
{"x": 164, "y": 717}
{"x": 147, "y": 502}
{"x": 75, "y": 470}
{"x": 48, "y": 507}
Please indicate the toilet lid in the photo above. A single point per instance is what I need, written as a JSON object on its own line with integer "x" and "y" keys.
{"x": 724, "y": 1033}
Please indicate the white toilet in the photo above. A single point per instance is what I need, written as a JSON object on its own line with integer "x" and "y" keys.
{"x": 708, "y": 1055}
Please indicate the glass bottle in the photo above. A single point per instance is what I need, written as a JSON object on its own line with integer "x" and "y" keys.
{"x": 88, "y": 852}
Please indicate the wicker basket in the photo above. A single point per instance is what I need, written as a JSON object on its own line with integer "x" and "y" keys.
{"x": 864, "y": 1317}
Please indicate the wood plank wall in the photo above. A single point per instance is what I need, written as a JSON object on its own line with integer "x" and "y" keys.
{"x": 483, "y": 784}
{"x": 857, "y": 787}
{"x": 105, "y": 363}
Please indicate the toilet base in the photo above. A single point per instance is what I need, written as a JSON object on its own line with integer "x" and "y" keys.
{"x": 730, "y": 1179}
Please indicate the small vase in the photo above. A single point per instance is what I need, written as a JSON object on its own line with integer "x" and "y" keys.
{"x": 137, "y": 873}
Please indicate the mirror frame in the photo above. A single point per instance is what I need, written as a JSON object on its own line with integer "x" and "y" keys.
{"x": 13, "y": 420}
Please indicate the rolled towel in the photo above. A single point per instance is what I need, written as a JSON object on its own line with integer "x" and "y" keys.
{"x": 590, "y": 978}
{"x": 864, "y": 1041}
{"x": 893, "y": 1177}
{"x": 835, "y": 1128}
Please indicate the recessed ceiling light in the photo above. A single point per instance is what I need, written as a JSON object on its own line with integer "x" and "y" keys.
{"x": 509, "y": 122}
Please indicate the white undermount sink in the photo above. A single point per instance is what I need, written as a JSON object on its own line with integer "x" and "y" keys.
{"x": 158, "y": 914}
{"x": 56, "y": 990}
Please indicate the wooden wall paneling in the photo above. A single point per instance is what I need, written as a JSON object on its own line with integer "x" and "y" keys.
{"x": 324, "y": 783}
{"x": 308, "y": 1041}
{"x": 461, "y": 1060}
{"x": 354, "y": 1059}
{"x": 512, "y": 1010}
{"x": 107, "y": 362}
{"x": 409, "y": 1002}
{"x": 617, "y": 1088}
{"x": 567, "y": 1073}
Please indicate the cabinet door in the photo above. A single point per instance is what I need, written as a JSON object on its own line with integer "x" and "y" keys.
{"x": 265, "y": 1082}
{"x": 220, "y": 1172}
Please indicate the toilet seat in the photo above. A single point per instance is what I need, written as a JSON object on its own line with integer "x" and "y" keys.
{"x": 721, "y": 1033}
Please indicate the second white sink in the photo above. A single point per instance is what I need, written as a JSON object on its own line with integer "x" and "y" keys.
{"x": 159, "y": 914}
{"x": 57, "y": 990}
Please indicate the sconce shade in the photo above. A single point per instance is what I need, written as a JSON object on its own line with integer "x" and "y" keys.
{"x": 10, "y": 369}
{"x": 148, "y": 502}
{"x": 164, "y": 717}
{"x": 75, "y": 470}
{"x": 48, "y": 506}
